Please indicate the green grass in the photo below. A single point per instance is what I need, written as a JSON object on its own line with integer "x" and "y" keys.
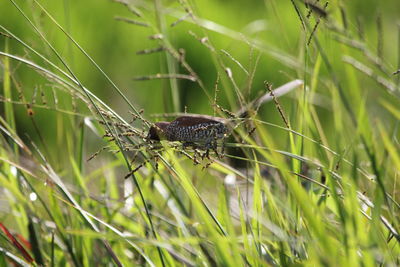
{"x": 308, "y": 178}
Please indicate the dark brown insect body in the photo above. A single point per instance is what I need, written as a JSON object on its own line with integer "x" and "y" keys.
{"x": 202, "y": 131}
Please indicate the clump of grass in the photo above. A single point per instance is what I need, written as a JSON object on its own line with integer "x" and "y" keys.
{"x": 317, "y": 186}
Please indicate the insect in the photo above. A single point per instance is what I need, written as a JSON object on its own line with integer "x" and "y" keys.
{"x": 198, "y": 131}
